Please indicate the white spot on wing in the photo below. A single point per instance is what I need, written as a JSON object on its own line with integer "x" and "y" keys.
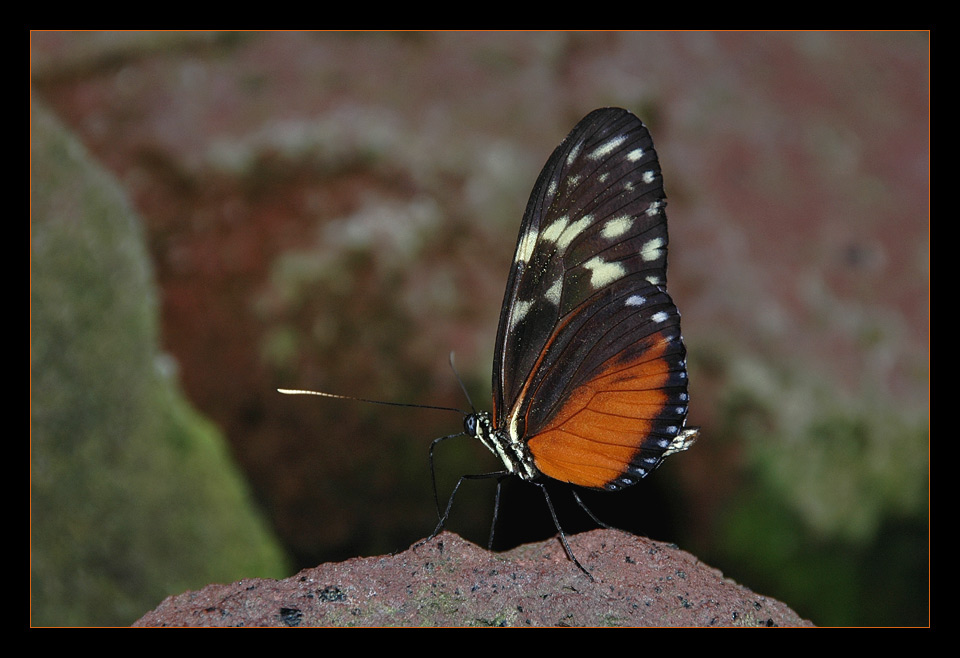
{"x": 659, "y": 317}
{"x": 635, "y": 300}
{"x": 525, "y": 248}
{"x": 635, "y": 155}
{"x": 607, "y": 148}
{"x": 652, "y": 249}
{"x": 553, "y": 231}
{"x": 563, "y": 233}
{"x": 553, "y": 292}
{"x": 648, "y": 176}
{"x": 616, "y": 227}
{"x": 654, "y": 208}
{"x": 520, "y": 310}
{"x": 603, "y": 273}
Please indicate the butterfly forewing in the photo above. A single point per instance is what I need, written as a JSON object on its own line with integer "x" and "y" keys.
{"x": 589, "y": 366}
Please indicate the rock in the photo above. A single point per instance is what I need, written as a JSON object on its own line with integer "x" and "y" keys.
{"x": 451, "y": 582}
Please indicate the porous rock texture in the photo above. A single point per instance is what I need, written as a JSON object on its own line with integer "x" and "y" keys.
{"x": 450, "y": 582}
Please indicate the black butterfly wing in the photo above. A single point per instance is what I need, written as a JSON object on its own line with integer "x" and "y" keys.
{"x": 589, "y": 366}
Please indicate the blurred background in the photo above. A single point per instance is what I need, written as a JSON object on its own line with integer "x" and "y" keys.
{"x": 215, "y": 215}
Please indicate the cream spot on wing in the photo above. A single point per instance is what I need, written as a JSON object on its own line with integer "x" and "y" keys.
{"x": 525, "y": 248}
{"x": 607, "y": 148}
{"x": 567, "y": 233}
{"x": 553, "y": 231}
{"x": 553, "y": 292}
{"x": 616, "y": 227}
{"x": 652, "y": 249}
{"x": 520, "y": 310}
{"x": 603, "y": 273}
{"x": 635, "y": 155}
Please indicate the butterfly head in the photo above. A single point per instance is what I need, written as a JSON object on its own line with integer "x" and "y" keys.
{"x": 516, "y": 457}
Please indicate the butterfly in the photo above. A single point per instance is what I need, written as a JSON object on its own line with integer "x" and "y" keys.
{"x": 589, "y": 371}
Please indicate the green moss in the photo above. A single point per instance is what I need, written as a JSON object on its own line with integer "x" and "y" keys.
{"x": 844, "y": 463}
{"x": 830, "y": 514}
{"x": 133, "y": 494}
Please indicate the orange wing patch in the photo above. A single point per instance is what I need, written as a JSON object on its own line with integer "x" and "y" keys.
{"x": 600, "y": 429}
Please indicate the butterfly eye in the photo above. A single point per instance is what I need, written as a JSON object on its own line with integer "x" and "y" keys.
{"x": 470, "y": 425}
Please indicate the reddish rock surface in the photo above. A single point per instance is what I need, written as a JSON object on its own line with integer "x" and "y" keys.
{"x": 451, "y": 582}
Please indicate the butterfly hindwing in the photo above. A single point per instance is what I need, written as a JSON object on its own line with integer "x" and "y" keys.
{"x": 589, "y": 366}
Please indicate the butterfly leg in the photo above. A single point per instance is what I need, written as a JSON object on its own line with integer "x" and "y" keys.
{"x": 446, "y": 513}
{"x": 496, "y": 510}
{"x": 433, "y": 475}
{"x": 586, "y": 509}
{"x": 563, "y": 536}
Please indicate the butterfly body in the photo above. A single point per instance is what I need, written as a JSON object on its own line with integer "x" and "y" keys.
{"x": 589, "y": 376}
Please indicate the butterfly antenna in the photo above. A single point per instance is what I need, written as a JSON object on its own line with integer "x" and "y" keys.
{"x": 460, "y": 381}
{"x": 290, "y": 391}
